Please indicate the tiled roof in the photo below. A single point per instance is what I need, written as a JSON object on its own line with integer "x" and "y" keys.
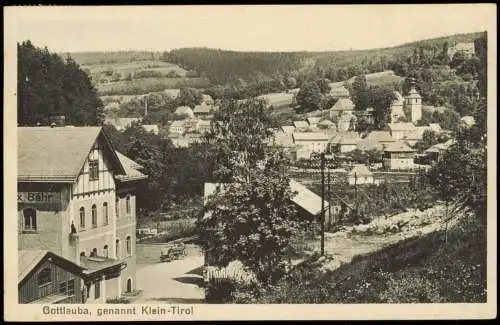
{"x": 300, "y": 124}
{"x": 380, "y": 136}
{"x": 398, "y": 147}
{"x": 310, "y": 136}
{"x": 203, "y": 108}
{"x": 401, "y": 126}
{"x": 346, "y": 138}
{"x": 183, "y": 110}
{"x": 56, "y": 154}
{"x": 131, "y": 169}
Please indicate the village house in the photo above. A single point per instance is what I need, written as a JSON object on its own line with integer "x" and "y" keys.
{"x": 184, "y": 111}
{"x": 382, "y": 137}
{"x": 401, "y": 130}
{"x": 204, "y": 126}
{"x": 398, "y": 156}
{"x": 207, "y": 99}
{"x": 47, "y": 278}
{"x": 467, "y": 121}
{"x": 152, "y": 128}
{"x": 203, "y": 111}
{"x": 346, "y": 122}
{"x": 80, "y": 206}
{"x": 436, "y": 152}
{"x": 285, "y": 141}
{"x": 344, "y": 142}
{"x": 341, "y": 107}
{"x": 467, "y": 49}
{"x": 177, "y": 127}
{"x": 360, "y": 174}
{"x": 308, "y": 142}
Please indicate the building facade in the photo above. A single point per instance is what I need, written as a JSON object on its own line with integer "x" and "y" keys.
{"x": 76, "y": 198}
{"x": 399, "y": 156}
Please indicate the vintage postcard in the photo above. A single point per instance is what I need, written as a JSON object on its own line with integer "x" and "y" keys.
{"x": 250, "y": 162}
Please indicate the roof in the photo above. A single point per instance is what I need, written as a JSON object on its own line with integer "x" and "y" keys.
{"x": 282, "y": 139}
{"x": 468, "y": 120}
{"x": 183, "y": 110}
{"x": 366, "y": 144}
{"x": 29, "y": 259}
{"x": 310, "y": 136}
{"x": 204, "y": 123}
{"x": 326, "y": 122}
{"x": 435, "y": 127}
{"x": 413, "y": 93}
{"x": 300, "y": 124}
{"x": 380, "y": 136}
{"x": 343, "y": 104}
{"x": 408, "y": 126}
{"x": 288, "y": 128}
{"x": 172, "y": 92}
{"x": 339, "y": 91}
{"x": 177, "y": 123}
{"x": 97, "y": 264}
{"x": 346, "y": 138}
{"x": 306, "y": 199}
{"x": 206, "y": 98}
{"x": 360, "y": 170}
{"x": 57, "y": 154}
{"x": 131, "y": 169}
{"x": 203, "y": 108}
{"x": 398, "y": 147}
{"x": 151, "y": 128}
{"x": 313, "y": 120}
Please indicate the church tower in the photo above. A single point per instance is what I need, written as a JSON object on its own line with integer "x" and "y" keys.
{"x": 414, "y": 102}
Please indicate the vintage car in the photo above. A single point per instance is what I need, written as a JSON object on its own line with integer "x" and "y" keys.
{"x": 172, "y": 252}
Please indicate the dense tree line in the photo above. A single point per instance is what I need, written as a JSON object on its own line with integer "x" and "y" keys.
{"x": 223, "y": 67}
{"x": 48, "y": 85}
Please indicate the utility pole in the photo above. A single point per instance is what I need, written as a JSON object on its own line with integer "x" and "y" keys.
{"x": 356, "y": 194}
{"x": 329, "y": 201}
{"x": 322, "y": 204}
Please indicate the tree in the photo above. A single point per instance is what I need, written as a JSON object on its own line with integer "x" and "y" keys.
{"x": 324, "y": 85}
{"x": 47, "y": 85}
{"x": 309, "y": 97}
{"x": 189, "y": 97}
{"x": 256, "y": 227}
{"x": 381, "y": 100}
{"x": 360, "y": 93}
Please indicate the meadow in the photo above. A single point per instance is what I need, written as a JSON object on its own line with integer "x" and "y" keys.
{"x": 147, "y": 85}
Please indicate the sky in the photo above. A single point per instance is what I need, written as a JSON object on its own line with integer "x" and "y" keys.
{"x": 255, "y": 28}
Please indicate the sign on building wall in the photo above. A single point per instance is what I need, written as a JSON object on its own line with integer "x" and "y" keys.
{"x": 38, "y": 197}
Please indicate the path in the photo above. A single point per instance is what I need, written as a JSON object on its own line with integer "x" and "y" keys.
{"x": 178, "y": 281}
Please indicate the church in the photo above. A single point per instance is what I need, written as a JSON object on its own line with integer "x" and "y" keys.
{"x": 412, "y": 103}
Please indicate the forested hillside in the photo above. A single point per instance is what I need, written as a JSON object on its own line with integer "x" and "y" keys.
{"x": 48, "y": 85}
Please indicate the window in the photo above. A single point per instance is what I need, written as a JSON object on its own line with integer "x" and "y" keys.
{"x": 127, "y": 202}
{"x": 97, "y": 289}
{"x": 129, "y": 246}
{"x": 94, "y": 216}
{"x": 82, "y": 254}
{"x": 105, "y": 213}
{"x": 106, "y": 251}
{"x": 117, "y": 207}
{"x": 94, "y": 252}
{"x": 29, "y": 216}
{"x": 63, "y": 287}
{"x": 118, "y": 248}
{"x": 44, "y": 277}
{"x": 94, "y": 170}
{"x": 82, "y": 217}
{"x": 71, "y": 287}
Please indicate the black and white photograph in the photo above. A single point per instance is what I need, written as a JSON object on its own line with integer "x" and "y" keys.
{"x": 172, "y": 158}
